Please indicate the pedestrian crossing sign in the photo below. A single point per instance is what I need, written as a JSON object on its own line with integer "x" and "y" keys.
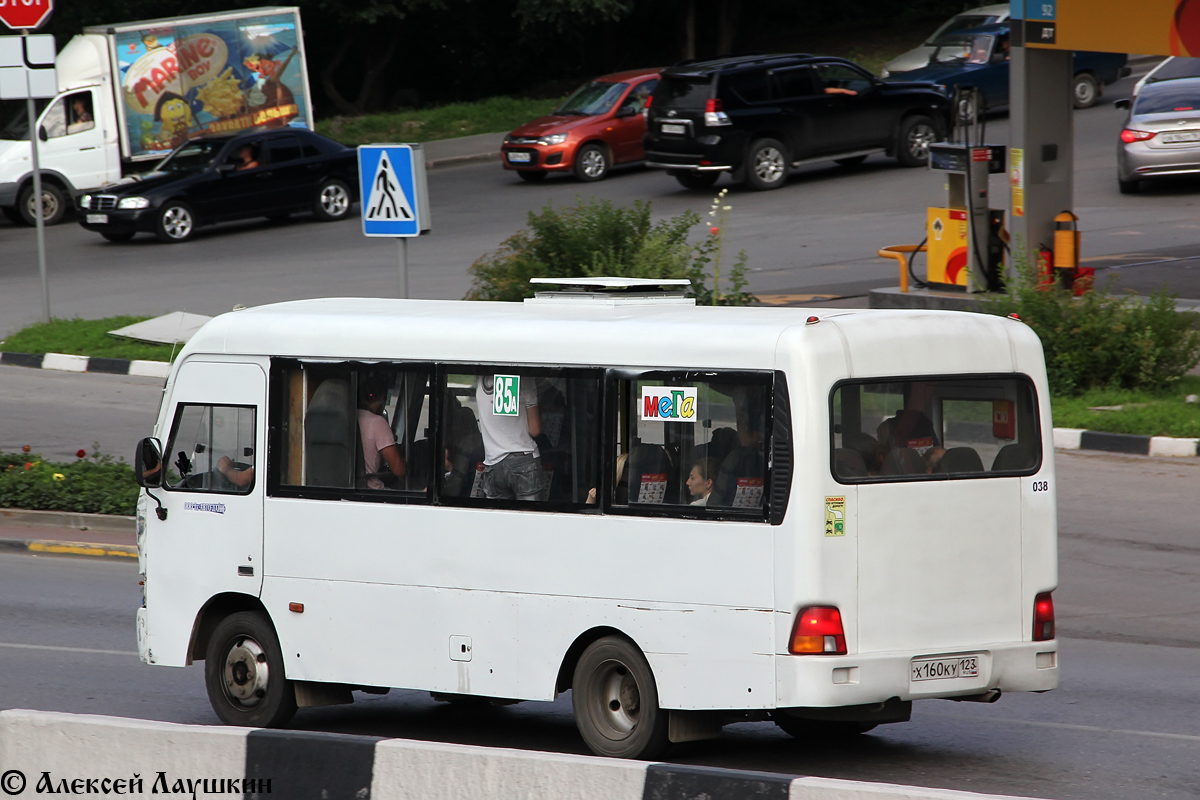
{"x": 394, "y": 199}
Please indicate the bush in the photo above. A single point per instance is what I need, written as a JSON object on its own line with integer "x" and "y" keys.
{"x": 594, "y": 238}
{"x": 99, "y": 484}
{"x": 1101, "y": 340}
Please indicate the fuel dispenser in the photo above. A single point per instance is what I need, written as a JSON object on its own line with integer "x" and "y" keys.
{"x": 964, "y": 237}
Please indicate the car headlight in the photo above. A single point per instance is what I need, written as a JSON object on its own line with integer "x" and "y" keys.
{"x": 883, "y": 73}
{"x": 133, "y": 202}
{"x": 85, "y": 201}
{"x": 554, "y": 138}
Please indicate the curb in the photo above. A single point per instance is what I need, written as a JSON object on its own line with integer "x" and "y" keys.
{"x": 1128, "y": 443}
{"x": 458, "y": 161}
{"x": 67, "y": 749}
{"x": 69, "y": 363}
{"x": 46, "y": 547}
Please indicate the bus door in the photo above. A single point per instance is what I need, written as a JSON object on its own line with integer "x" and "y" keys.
{"x": 938, "y": 521}
{"x": 211, "y": 541}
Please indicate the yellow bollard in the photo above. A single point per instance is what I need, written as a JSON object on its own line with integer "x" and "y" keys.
{"x": 901, "y": 253}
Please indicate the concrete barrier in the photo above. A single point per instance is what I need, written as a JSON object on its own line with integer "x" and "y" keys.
{"x": 73, "y": 754}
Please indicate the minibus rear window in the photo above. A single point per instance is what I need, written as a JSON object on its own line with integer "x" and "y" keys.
{"x": 934, "y": 428}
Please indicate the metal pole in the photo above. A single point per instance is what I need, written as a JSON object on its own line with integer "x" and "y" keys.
{"x": 39, "y": 222}
{"x": 403, "y": 266}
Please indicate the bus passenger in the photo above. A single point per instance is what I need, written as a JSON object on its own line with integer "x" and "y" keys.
{"x": 700, "y": 480}
{"x": 378, "y": 441}
{"x": 512, "y": 465}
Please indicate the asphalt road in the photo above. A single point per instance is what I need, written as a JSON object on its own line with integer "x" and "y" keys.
{"x": 1122, "y": 725}
{"x": 817, "y": 235}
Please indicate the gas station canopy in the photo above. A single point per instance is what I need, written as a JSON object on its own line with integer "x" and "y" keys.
{"x": 1149, "y": 27}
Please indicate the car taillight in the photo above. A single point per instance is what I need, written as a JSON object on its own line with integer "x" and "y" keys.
{"x": 818, "y": 630}
{"x": 1129, "y": 136}
{"x": 1043, "y": 617}
{"x": 714, "y": 113}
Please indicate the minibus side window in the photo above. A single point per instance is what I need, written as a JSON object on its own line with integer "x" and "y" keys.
{"x": 520, "y": 435}
{"x": 934, "y": 428}
{"x": 353, "y": 429}
{"x": 211, "y": 449}
{"x": 694, "y": 441}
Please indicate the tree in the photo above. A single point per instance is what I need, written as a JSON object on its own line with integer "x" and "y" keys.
{"x": 368, "y": 32}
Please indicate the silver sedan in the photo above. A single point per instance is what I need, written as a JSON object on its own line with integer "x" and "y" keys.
{"x": 1161, "y": 136}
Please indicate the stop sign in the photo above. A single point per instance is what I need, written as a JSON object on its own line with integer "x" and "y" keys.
{"x": 21, "y": 14}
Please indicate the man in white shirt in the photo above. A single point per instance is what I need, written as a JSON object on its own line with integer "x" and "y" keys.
{"x": 512, "y": 466}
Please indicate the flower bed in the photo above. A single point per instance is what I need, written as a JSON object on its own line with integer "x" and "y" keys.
{"x": 95, "y": 484}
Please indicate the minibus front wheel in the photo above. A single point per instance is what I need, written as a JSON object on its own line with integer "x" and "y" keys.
{"x": 615, "y": 700}
{"x": 243, "y": 672}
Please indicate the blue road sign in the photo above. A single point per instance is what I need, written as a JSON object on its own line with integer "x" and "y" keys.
{"x": 390, "y": 202}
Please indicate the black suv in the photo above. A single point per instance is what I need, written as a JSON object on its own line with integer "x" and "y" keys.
{"x": 758, "y": 116}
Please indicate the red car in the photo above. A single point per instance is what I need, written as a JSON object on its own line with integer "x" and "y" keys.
{"x": 598, "y": 127}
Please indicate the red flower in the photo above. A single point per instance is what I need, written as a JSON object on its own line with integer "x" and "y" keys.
{"x": 28, "y": 465}
{"x": 714, "y": 230}
{"x": 25, "y": 448}
{"x": 80, "y": 453}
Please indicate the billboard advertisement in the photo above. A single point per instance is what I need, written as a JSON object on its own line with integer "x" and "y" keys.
{"x": 209, "y": 78}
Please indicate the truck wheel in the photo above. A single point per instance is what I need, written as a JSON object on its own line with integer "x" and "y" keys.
{"x": 912, "y": 146}
{"x": 1085, "y": 90}
{"x": 53, "y": 205}
{"x": 243, "y": 672}
{"x": 332, "y": 201}
{"x": 695, "y": 180}
{"x": 767, "y": 165}
{"x": 176, "y": 223}
{"x": 615, "y": 701}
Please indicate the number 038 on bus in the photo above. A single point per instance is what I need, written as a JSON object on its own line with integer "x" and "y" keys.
{"x": 686, "y": 517}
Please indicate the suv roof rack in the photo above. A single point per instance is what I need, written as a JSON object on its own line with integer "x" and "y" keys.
{"x": 739, "y": 60}
{"x": 614, "y": 291}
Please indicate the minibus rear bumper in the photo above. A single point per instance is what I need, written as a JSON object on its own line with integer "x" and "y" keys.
{"x": 816, "y": 681}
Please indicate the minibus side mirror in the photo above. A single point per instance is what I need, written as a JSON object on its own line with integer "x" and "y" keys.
{"x": 1124, "y": 104}
{"x": 147, "y": 464}
{"x": 148, "y": 470}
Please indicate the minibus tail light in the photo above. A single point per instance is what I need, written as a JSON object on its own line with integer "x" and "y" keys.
{"x": 818, "y": 630}
{"x": 1043, "y": 617}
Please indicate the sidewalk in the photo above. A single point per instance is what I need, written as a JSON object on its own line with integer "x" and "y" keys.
{"x": 67, "y": 534}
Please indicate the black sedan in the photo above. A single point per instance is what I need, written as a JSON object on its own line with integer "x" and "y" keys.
{"x": 215, "y": 179}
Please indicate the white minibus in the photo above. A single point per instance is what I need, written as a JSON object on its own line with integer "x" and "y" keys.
{"x": 688, "y": 516}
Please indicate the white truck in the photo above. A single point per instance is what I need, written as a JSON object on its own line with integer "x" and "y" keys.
{"x": 130, "y": 93}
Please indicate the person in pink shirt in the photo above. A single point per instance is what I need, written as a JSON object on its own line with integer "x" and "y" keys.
{"x": 378, "y": 441}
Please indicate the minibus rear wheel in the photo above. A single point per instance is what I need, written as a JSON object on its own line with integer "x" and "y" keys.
{"x": 243, "y": 672}
{"x": 615, "y": 701}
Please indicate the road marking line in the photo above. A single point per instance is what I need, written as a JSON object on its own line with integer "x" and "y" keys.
{"x": 1091, "y": 728}
{"x": 69, "y": 649}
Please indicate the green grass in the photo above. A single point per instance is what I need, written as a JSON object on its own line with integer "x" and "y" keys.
{"x": 494, "y": 115}
{"x": 1150, "y": 413}
{"x": 85, "y": 337}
